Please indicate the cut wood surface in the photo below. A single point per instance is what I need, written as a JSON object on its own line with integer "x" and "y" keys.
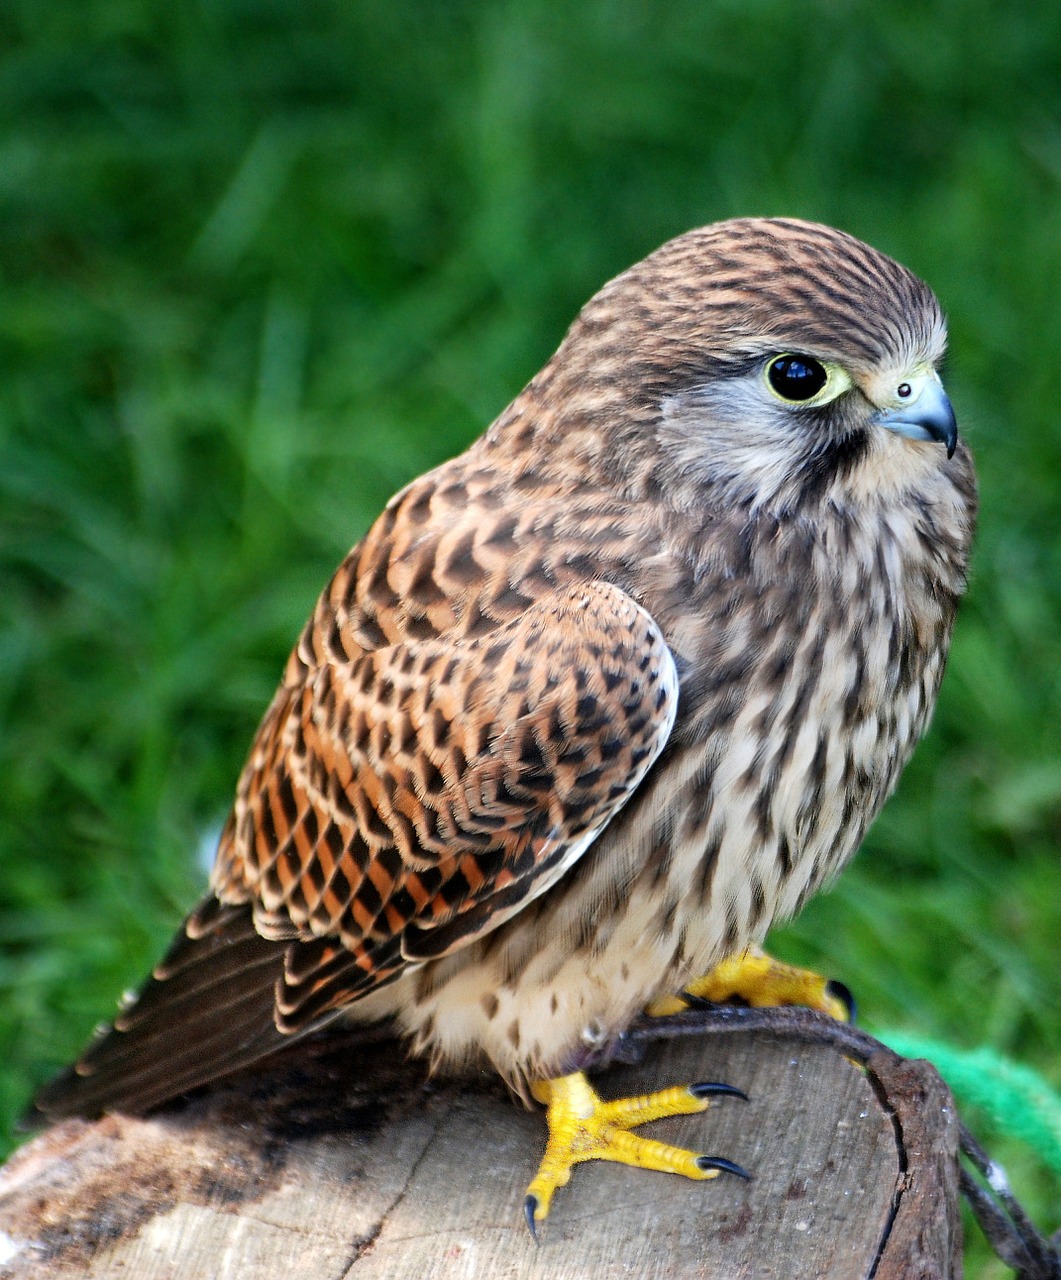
{"x": 342, "y": 1160}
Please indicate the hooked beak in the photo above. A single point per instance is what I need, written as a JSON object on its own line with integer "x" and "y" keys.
{"x": 928, "y": 417}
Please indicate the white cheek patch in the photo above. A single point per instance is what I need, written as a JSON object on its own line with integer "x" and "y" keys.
{"x": 731, "y": 435}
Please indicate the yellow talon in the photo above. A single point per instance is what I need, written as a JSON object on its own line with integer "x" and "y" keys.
{"x": 758, "y": 979}
{"x": 583, "y": 1126}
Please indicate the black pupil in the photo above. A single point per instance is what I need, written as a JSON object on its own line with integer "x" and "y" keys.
{"x": 797, "y": 377}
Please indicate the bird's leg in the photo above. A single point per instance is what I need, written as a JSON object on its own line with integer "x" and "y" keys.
{"x": 583, "y": 1126}
{"x": 755, "y": 978}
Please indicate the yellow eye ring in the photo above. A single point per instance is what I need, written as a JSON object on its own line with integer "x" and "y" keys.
{"x": 796, "y": 378}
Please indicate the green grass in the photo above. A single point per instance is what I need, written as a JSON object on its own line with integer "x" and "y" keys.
{"x": 262, "y": 263}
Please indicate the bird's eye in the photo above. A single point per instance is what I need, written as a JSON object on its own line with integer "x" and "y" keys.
{"x": 796, "y": 377}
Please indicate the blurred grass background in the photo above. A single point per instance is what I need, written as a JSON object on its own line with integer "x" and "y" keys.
{"x": 261, "y": 263}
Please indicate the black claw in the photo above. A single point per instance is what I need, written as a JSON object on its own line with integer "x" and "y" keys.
{"x": 712, "y": 1088}
{"x": 841, "y": 992}
{"x": 530, "y": 1207}
{"x": 723, "y": 1166}
{"x": 698, "y": 1002}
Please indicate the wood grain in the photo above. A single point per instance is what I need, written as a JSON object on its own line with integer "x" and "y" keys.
{"x": 341, "y": 1160}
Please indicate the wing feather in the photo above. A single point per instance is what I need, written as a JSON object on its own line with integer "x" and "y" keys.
{"x": 437, "y": 786}
{"x": 394, "y": 807}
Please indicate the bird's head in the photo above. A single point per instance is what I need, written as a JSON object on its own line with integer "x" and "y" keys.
{"x": 762, "y": 362}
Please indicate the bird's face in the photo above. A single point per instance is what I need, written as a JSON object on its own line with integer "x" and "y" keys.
{"x": 908, "y": 401}
{"x": 793, "y": 425}
{"x": 770, "y": 362}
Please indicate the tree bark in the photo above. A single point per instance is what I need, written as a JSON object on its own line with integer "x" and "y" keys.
{"x": 339, "y": 1159}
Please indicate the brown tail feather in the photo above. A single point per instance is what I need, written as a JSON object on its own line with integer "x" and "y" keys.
{"x": 170, "y": 1040}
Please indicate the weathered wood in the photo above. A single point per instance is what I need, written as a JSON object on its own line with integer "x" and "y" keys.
{"x": 303, "y": 1171}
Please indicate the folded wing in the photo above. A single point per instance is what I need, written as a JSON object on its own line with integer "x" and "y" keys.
{"x": 394, "y": 807}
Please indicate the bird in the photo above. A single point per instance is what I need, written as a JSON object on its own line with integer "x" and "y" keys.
{"x": 595, "y": 703}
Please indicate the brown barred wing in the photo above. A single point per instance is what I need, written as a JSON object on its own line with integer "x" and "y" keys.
{"x": 414, "y": 798}
{"x": 393, "y": 808}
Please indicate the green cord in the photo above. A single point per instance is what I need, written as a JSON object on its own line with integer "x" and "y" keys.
{"x": 1018, "y": 1100}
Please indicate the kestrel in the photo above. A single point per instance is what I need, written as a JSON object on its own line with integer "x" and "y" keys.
{"x": 595, "y": 703}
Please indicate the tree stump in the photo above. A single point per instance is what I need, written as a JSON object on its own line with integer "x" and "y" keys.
{"x": 339, "y": 1159}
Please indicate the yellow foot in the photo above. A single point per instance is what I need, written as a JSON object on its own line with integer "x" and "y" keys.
{"x": 582, "y": 1126}
{"x": 757, "y": 979}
